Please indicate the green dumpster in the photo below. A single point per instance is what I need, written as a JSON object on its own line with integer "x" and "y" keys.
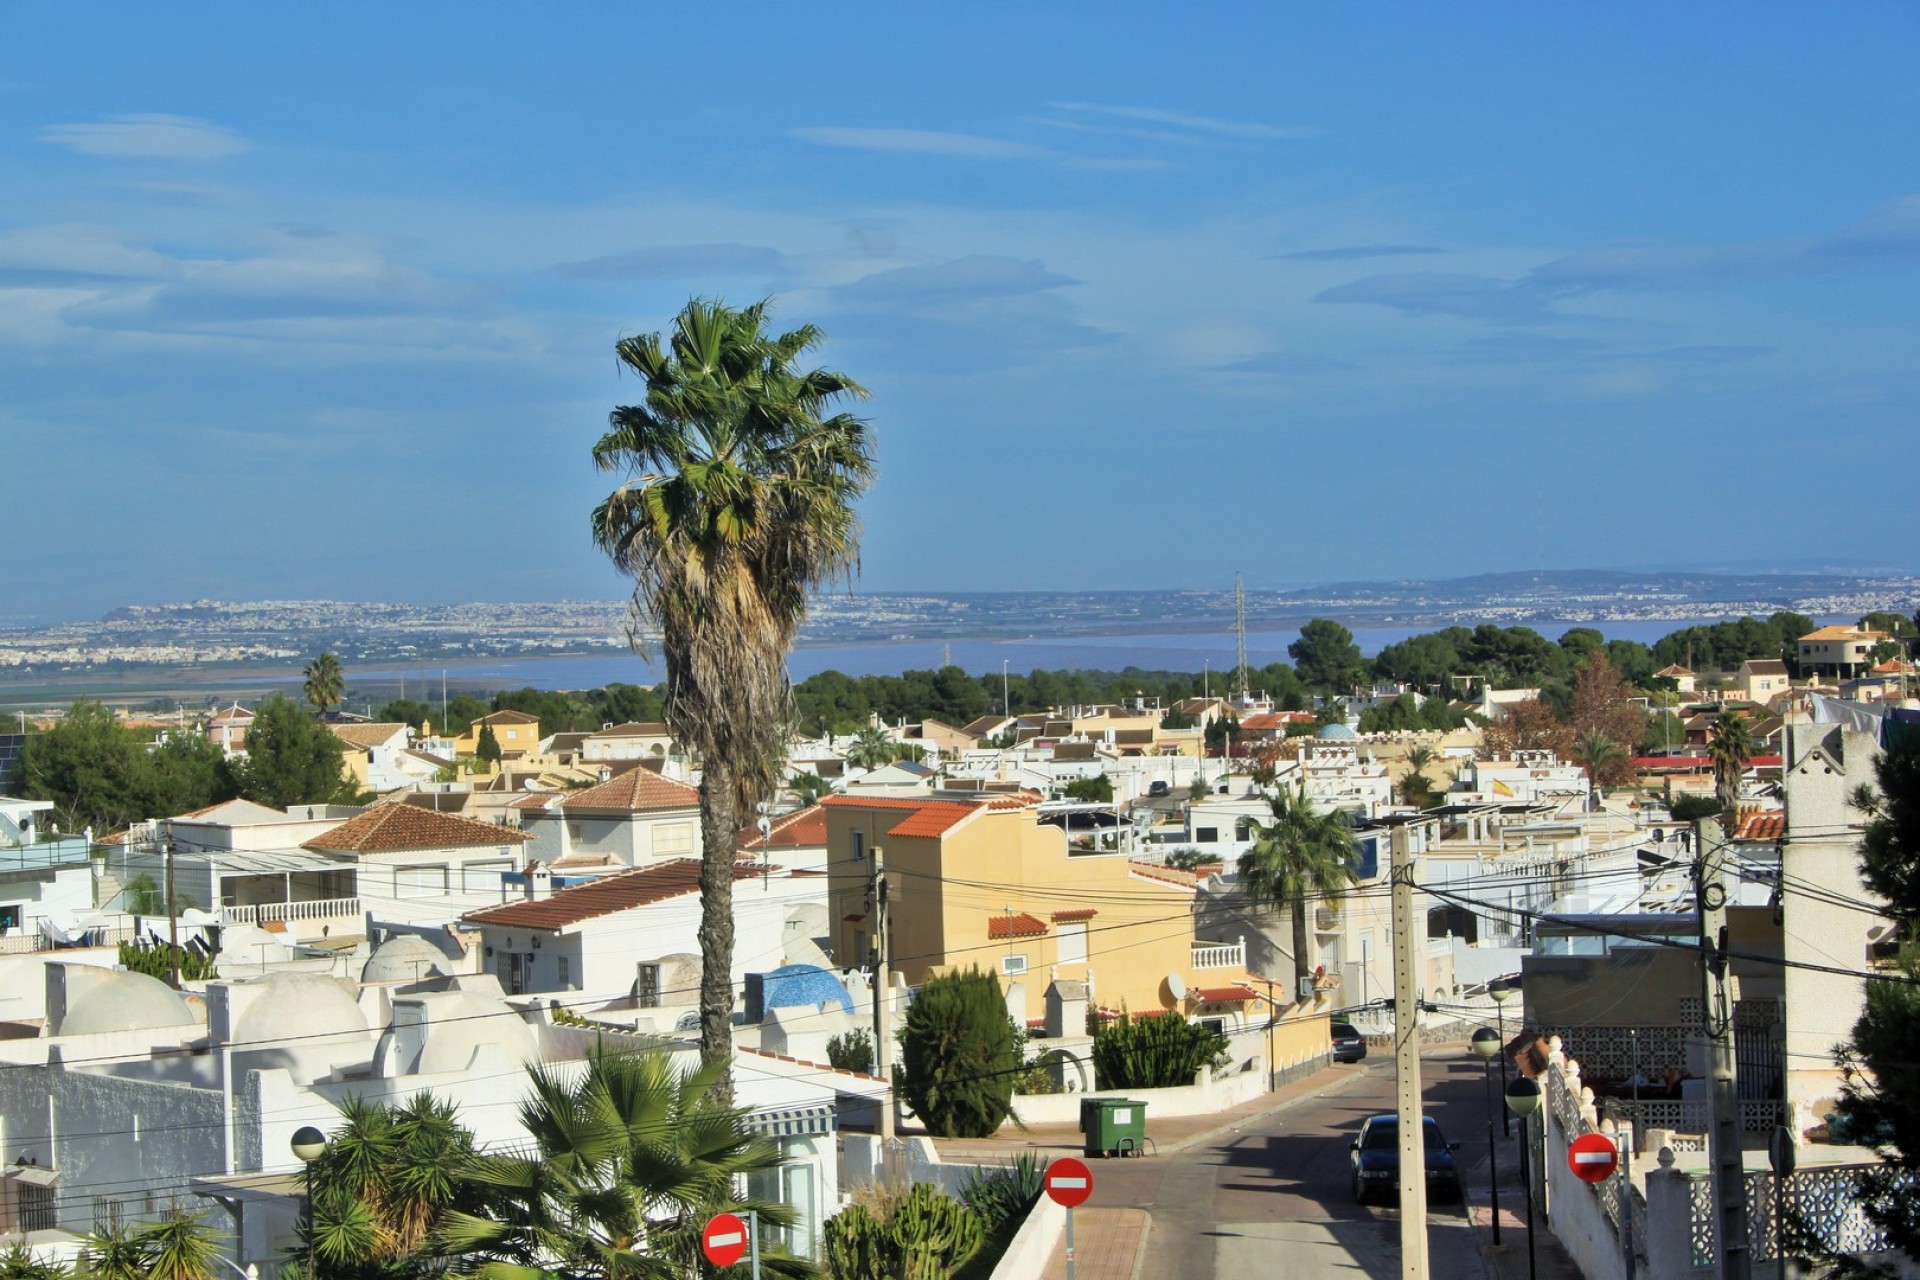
{"x": 1114, "y": 1126}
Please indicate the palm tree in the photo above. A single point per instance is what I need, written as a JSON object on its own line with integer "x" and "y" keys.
{"x": 1300, "y": 855}
{"x": 20, "y": 1262}
{"x": 738, "y": 502}
{"x": 326, "y": 682}
{"x": 872, "y": 748}
{"x": 623, "y": 1169}
{"x": 1731, "y": 748}
{"x": 807, "y": 788}
{"x": 1599, "y": 754}
{"x": 384, "y": 1179}
{"x": 180, "y": 1246}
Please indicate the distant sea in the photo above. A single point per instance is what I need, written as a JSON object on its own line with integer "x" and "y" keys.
{"x": 1169, "y": 652}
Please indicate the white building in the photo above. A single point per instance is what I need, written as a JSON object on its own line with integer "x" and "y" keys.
{"x": 632, "y": 819}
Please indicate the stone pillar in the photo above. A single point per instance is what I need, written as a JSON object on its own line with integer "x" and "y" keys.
{"x": 1669, "y": 1222}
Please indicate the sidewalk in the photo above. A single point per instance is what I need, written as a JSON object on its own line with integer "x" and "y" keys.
{"x": 1107, "y": 1245}
{"x": 1508, "y": 1259}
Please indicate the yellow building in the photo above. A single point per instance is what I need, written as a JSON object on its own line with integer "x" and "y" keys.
{"x": 986, "y": 884}
{"x": 517, "y": 733}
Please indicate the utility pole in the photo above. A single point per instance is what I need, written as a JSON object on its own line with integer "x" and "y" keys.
{"x": 882, "y": 1010}
{"x": 173, "y": 920}
{"x": 1719, "y": 994}
{"x": 1406, "y": 1064}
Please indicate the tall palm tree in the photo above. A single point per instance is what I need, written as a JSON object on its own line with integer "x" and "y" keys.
{"x": 1600, "y": 755}
{"x": 1730, "y": 749}
{"x": 738, "y": 501}
{"x": 1301, "y": 855}
{"x": 623, "y": 1169}
{"x": 326, "y": 682}
{"x": 384, "y": 1179}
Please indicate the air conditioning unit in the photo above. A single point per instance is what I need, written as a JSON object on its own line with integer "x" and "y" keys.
{"x": 1013, "y": 964}
{"x": 1306, "y": 988}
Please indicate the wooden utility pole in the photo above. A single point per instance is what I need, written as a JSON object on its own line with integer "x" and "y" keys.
{"x": 1718, "y": 994}
{"x": 882, "y": 983}
{"x": 1406, "y": 1063}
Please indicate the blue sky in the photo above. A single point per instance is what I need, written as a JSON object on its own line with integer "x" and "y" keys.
{"x": 292, "y": 302}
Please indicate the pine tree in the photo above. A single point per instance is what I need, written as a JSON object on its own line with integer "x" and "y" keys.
{"x": 489, "y": 746}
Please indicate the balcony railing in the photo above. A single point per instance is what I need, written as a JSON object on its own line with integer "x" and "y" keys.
{"x": 1220, "y": 955}
{"x": 317, "y": 909}
{"x": 18, "y": 944}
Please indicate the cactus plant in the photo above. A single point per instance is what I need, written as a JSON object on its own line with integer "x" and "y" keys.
{"x": 928, "y": 1237}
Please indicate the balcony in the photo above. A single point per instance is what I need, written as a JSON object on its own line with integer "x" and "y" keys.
{"x": 317, "y": 909}
{"x": 1220, "y": 955}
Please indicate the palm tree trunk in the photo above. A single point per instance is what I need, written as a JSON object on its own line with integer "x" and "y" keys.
{"x": 1302, "y": 958}
{"x": 719, "y": 829}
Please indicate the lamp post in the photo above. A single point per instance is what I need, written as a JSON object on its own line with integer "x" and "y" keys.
{"x": 1523, "y": 1099}
{"x": 308, "y": 1144}
{"x": 1502, "y": 991}
{"x": 1486, "y": 1043}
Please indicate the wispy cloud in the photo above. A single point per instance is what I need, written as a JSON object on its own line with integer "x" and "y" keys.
{"x": 924, "y": 142}
{"x": 1191, "y": 122}
{"x": 977, "y": 276}
{"x": 677, "y": 261}
{"x": 1356, "y": 252}
{"x": 148, "y": 137}
{"x": 1445, "y": 293}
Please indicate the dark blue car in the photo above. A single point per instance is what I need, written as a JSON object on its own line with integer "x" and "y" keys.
{"x": 1376, "y": 1160}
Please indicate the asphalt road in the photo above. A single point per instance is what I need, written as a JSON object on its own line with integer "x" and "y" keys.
{"x": 1274, "y": 1198}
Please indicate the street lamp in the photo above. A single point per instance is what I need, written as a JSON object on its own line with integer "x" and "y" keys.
{"x": 1486, "y": 1043}
{"x": 1523, "y": 1099}
{"x": 1502, "y": 991}
{"x": 308, "y": 1145}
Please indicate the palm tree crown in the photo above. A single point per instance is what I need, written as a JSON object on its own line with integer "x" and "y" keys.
{"x": 1300, "y": 855}
{"x": 1731, "y": 748}
{"x": 737, "y": 502}
{"x": 326, "y": 683}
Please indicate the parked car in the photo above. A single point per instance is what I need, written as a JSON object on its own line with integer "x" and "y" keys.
{"x": 1157, "y": 788}
{"x": 1375, "y": 1155}
{"x": 1348, "y": 1044}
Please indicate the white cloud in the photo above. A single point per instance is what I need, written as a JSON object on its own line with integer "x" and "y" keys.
{"x": 1196, "y": 123}
{"x": 148, "y": 137}
{"x": 924, "y": 142}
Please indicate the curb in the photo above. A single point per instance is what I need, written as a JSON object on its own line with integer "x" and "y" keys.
{"x": 1140, "y": 1251}
{"x": 1208, "y": 1135}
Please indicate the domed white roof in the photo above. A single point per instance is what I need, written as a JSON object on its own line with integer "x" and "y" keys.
{"x": 407, "y": 957}
{"x": 124, "y": 1001}
{"x": 1336, "y": 732}
{"x": 307, "y": 1023}
{"x": 463, "y": 1021}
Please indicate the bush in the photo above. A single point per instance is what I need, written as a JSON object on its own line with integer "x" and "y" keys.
{"x": 922, "y": 1236}
{"x": 157, "y": 962}
{"x": 1694, "y": 808}
{"x": 959, "y": 1055}
{"x": 1161, "y": 1052}
{"x": 1002, "y": 1195}
{"x": 852, "y": 1051}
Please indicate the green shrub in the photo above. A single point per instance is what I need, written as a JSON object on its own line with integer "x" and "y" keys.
{"x": 959, "y": 1055}
{"x": 852, "y": 1051}
{"x": 924, "y": 1236}
{"x": 1002, "y": 1195}
{"x": 1162, "y": 1052}
{"x": 157, "y": 962}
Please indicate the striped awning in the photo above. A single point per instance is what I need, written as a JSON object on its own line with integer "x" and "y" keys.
{"x": 793, "y": 1122}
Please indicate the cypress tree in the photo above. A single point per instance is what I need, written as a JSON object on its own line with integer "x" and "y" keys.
{"x": 959, "y": 1055}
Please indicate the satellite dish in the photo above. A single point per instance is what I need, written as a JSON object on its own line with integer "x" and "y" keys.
{"x": 766, "y": 825}
{"x": 1177, "y": 986}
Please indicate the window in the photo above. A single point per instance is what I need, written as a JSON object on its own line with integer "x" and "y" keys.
{"x": 566, "y": 978}
{"x": 1013, "y": 964}
{"x": 646, "y": 988}
{"x": 483, "y": 877}
{"x": 1073, "y": 943}
{"x": 425, "y": 879}
{"x": 673, "y": 837}
{"x": 1206, "y": 835}
{"x": 859, "y": 846}
{"x": 792, "y": 1185}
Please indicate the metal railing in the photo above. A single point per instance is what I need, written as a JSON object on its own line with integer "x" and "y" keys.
{"x": 25, "y": 943}
{"x": 316, "y": 909}
{"x": 1219, "y": 955}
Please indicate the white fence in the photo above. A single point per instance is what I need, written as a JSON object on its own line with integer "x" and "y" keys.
{"x": 1220, "y": 955}
{"x": 318, "y": 909}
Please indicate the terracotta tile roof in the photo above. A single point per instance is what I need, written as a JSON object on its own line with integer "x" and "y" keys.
{"x": 1765, "y": 666}
{"x": 1022, "y": 799}
{"x": 635, "y": 791}
{"x": 1165, "y": 875}
{"x": 1894, "y": 667}
{"x": 1018, "y": 925}
{"x": 1225, "y": 995}
{"x": 1843, "y": 633}
{"x": 1673, "y": 669}
{"x": 366, "y": 735}
{"x": 802, "y": 829}
{"x": 1077, "y": 913}
{"x": 802, "y": 1062}
{"x": 632, "y": 729}
{"x": 1762, "y": 825}
{"x": 395, "y": 828}
{"x": 623, "y": 891}
{"x": 508, "y": 717}
{"x": 930, "y": 818}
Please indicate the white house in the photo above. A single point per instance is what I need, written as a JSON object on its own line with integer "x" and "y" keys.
{"x": 630, "y": 820}
{"x": 632, "y": 939}
{"x": 1531, "y": 777}
{"x": 634, "y": 740}
{"x": 420, "y": 866}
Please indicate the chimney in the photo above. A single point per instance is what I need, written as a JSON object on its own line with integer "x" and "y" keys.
{"x": 539, "y": 882}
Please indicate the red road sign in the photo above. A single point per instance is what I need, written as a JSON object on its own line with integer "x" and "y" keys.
{"x": 724, "y": 1239}
{"x": 1069, "y": 1182}
{"x": 1593, "y": 1157}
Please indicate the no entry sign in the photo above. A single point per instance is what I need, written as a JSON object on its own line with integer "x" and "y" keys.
{"x": 724, "y": 1239}
{"x": 1069, "y": 1182}
{"x": 1593, "y": 1157}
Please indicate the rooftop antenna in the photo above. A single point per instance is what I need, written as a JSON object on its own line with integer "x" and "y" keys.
{"x": 1240, "y": 636}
